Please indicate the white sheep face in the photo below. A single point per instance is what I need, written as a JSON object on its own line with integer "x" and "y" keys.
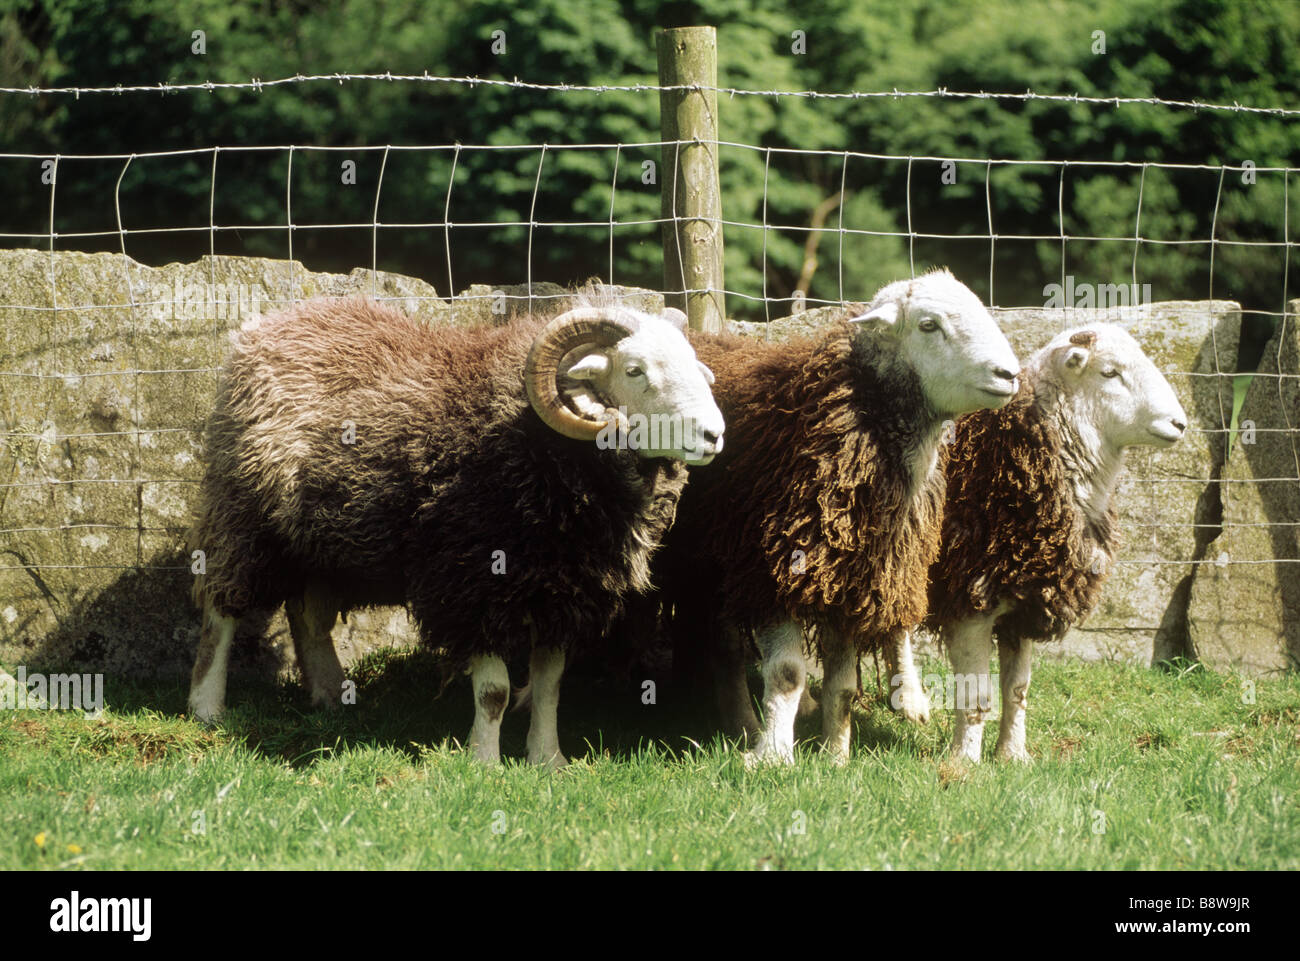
{"x": 1112, "y": 388}
{"x": 655, "y": 380}
{"x": 942, "y": 331}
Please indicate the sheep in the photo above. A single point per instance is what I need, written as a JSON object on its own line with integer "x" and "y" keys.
{"x": 823, "y": 515}
{"x": 1029, "y": 529}
{"x": 356, "y": 457}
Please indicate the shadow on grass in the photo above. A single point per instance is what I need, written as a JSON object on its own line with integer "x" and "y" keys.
{"x": 401, "y": 705}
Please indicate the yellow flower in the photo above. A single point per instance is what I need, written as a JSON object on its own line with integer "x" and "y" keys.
{"x": 40, "y": 840}
{"x": 74, "y": 848}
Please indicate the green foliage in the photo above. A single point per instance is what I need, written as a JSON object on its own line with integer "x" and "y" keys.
{"x": 1177, "y": 49}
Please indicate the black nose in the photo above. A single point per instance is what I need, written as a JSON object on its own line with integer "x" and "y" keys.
{"x": 1178, "y": 423}
{"x": 709, "y": 436}
{"x": 1003, "y": 373}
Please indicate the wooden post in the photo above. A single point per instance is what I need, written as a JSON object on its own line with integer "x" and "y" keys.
{"x": 691, "y": 202}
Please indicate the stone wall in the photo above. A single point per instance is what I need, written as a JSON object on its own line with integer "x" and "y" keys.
{"x": 1244, "y": 607}
{"x": 108, "y": 369}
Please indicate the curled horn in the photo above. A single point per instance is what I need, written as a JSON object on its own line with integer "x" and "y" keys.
{"x": 1084, "y": 338}
{"x": 572, "y": 329}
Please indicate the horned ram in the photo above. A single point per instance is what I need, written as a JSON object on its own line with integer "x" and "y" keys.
{"x": 356, "y": 457}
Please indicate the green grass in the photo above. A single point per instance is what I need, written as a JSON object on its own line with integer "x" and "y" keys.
{"x": 1133, "y": 769}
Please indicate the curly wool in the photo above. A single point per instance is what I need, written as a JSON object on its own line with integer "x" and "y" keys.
{"x": 451, "y": 476}
{"x": 1013, "y": 530}
{"x": 817, "y": 509}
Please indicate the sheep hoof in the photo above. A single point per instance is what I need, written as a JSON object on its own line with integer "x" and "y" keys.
{"x": 837, "y": 757}
{"x": 556, "y": 762}
{"x": 489, "y": 756}
{"x": 325, "y": 701}
{"x": 913, "y": 705}
{"x": 768, "y": 755}
{"x": 964, "y": 752}
{"x": 1018, "y": 755}
{"x": 209, "y": 715}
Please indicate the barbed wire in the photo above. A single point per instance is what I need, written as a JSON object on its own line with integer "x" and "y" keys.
{"x": 258, "y": 85}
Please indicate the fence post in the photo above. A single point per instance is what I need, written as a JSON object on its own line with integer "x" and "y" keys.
{"x": 691, "y": 197}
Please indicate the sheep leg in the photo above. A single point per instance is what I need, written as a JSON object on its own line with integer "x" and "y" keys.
{"x": 839, "y": 684}
{"x": 970, "y": 642}
{"x": 735, "y": 706}
{"x": 208, "y": 680}
{"x": 491, "y": 682}
{"x": 784, "y": 674}
{"x": 545, "y": 668}
{"x": 311, "y": 617}
{"x": 807, "y": 704}
{"x": 1015, "y": 667}
{"x": 908, "y": 697}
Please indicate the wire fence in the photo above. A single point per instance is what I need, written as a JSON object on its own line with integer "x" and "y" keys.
{"x": 611, "y": 228}
{"x": 258, "y": 86}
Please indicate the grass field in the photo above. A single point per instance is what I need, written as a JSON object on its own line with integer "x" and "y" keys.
{"x": 1133, "y": 769}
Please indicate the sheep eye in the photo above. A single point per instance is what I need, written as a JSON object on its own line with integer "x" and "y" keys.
{"x": 635, "y": 371}
{"x": 928, "y": 324}
{"x": 1110, "y": 372}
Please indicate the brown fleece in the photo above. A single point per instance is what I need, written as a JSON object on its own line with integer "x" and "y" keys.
{"x": 811, "y": 511}
{"x": 450, "y": 465}
{"x": 1013, "y": 531}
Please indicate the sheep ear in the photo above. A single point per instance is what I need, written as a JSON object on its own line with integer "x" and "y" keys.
{"x": 1075, "y": 358}
{"x": 675, "y": 317}
{"x": 591, "y": 367}
{"x": 708, "y": 374}
{"x": 884, "y": 317}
